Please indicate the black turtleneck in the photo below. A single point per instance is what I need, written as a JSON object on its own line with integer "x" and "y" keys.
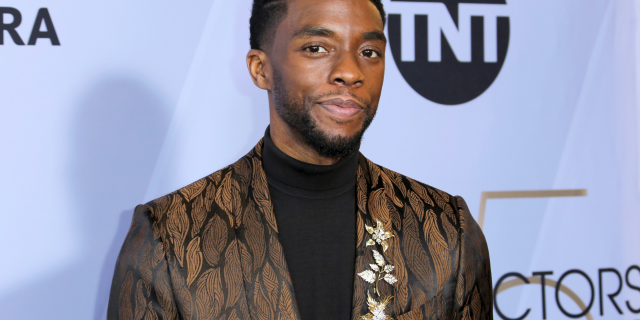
{"x": 315, "y": 208}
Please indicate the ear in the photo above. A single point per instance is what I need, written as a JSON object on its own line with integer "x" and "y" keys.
{"x": 259, "y": 68}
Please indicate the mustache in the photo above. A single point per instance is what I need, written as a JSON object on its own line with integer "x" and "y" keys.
{"x": 364, "y": 102}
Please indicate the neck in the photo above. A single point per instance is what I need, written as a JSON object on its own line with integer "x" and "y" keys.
{"x": 293, "y": 143}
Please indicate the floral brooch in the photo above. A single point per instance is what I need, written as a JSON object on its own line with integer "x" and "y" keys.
{"x": 379, "y": 236}
{"x": 381, "y": 270}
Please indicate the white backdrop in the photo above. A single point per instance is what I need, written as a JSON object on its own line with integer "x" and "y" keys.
{"x": 144, "y": 97}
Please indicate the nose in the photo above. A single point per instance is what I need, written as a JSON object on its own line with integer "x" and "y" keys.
{"x": 346, "y": 71}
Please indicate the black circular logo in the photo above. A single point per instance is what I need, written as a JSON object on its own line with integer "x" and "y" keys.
{"x": 450, "y": 51}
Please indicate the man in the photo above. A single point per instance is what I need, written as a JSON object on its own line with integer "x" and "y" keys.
{"x": 304, "y": 226}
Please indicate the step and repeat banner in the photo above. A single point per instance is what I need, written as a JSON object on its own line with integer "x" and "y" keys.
{"x": 527, "y": 109}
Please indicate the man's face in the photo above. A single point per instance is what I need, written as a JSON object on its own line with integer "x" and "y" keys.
{"x": 328, "y": 69}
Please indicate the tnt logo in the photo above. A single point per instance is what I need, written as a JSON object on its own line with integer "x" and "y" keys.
{"x": 11, "y": 18}
{"x": 449, "y": 51}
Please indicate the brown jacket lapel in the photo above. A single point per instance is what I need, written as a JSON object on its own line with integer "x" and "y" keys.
{"x": 268, "y": 286}
{"x": 438, "y": 252}
{"x": 377, "y": 200}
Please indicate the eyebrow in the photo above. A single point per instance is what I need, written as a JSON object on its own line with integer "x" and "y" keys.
{"x": 310, "y": 31}
{"x": 374, "y": 35}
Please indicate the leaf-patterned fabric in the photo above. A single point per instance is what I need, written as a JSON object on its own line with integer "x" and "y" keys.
{"x": 211, "y": 251}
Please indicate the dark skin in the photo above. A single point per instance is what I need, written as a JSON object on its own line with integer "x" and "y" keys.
{"x": 322, "y": 47}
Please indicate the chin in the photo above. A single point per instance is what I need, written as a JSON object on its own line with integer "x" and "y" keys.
{"x": 340, "y": 131}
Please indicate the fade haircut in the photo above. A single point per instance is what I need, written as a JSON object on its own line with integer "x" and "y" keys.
{"x": 266, "y": 16}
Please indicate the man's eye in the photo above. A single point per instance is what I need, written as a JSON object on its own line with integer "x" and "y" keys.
{"x": 316, "y": 49}
{"x": 370, "y": 53}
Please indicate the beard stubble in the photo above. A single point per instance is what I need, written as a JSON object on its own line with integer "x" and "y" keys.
{"x": 297, "y": 114}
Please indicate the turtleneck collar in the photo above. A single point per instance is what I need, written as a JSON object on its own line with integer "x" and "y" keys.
{"x": 289, "y": 171}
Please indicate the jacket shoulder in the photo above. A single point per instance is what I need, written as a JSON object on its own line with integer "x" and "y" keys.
{"x": 218, "y": 194}
{"x": 190, "y": 207}
{"x": 161, "y": 205}
{"x": 442, "y": 225}
{"x": 444, "y": 206}
{"x": 423, "y": 202}
{"x": 409, "y": 190}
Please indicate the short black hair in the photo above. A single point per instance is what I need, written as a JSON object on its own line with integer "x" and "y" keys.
{"x": 266, "y": 15}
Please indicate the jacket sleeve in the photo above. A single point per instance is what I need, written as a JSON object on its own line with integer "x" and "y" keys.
{"x": 474, "y": 291}
{"x": 141, "y": 287}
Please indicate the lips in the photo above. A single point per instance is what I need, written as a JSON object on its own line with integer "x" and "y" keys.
{"x": 342, "y": 108}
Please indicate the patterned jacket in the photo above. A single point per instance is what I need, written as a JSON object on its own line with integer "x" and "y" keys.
{"x": 211, "y": 251}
